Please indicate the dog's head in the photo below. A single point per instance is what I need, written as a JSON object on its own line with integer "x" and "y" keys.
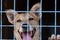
{"x": 25, "y": 23}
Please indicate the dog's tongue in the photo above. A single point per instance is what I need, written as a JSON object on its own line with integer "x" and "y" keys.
{"x": 26, "y": 36}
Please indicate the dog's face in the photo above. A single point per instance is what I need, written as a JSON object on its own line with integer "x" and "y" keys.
{"x": 26, "y": 24}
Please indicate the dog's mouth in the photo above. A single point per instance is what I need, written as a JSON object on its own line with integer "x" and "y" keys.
{"x": 27, "y": 35}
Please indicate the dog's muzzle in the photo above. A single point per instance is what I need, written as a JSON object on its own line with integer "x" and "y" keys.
{"x": 27, "y": 33}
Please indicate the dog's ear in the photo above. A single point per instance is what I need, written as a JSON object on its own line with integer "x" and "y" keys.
{"x": 35, "y": 8}
{"x": 10, "y": 15}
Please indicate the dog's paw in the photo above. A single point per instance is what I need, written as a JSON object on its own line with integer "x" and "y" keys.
{"x": 53, "y": 37}
{"x": 58, "y": 37}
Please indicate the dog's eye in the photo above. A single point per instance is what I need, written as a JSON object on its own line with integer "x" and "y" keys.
{"x": 18, "y": 20}
{"x": 30, "y": 19}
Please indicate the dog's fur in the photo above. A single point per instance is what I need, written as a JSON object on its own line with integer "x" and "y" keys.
{"x": 31, "y": 18}
{"x": 54, "y": 37}
{"x": 19, "y": 19}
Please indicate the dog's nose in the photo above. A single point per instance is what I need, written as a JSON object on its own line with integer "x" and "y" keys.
{"x": 25, "y": 27}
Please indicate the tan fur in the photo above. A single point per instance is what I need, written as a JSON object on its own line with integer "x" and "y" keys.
{"x": 34, "y": 22}
{"x": 24, "y": 17}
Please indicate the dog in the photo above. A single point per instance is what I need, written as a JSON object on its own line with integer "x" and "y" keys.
{"x": 26, "y": 24}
